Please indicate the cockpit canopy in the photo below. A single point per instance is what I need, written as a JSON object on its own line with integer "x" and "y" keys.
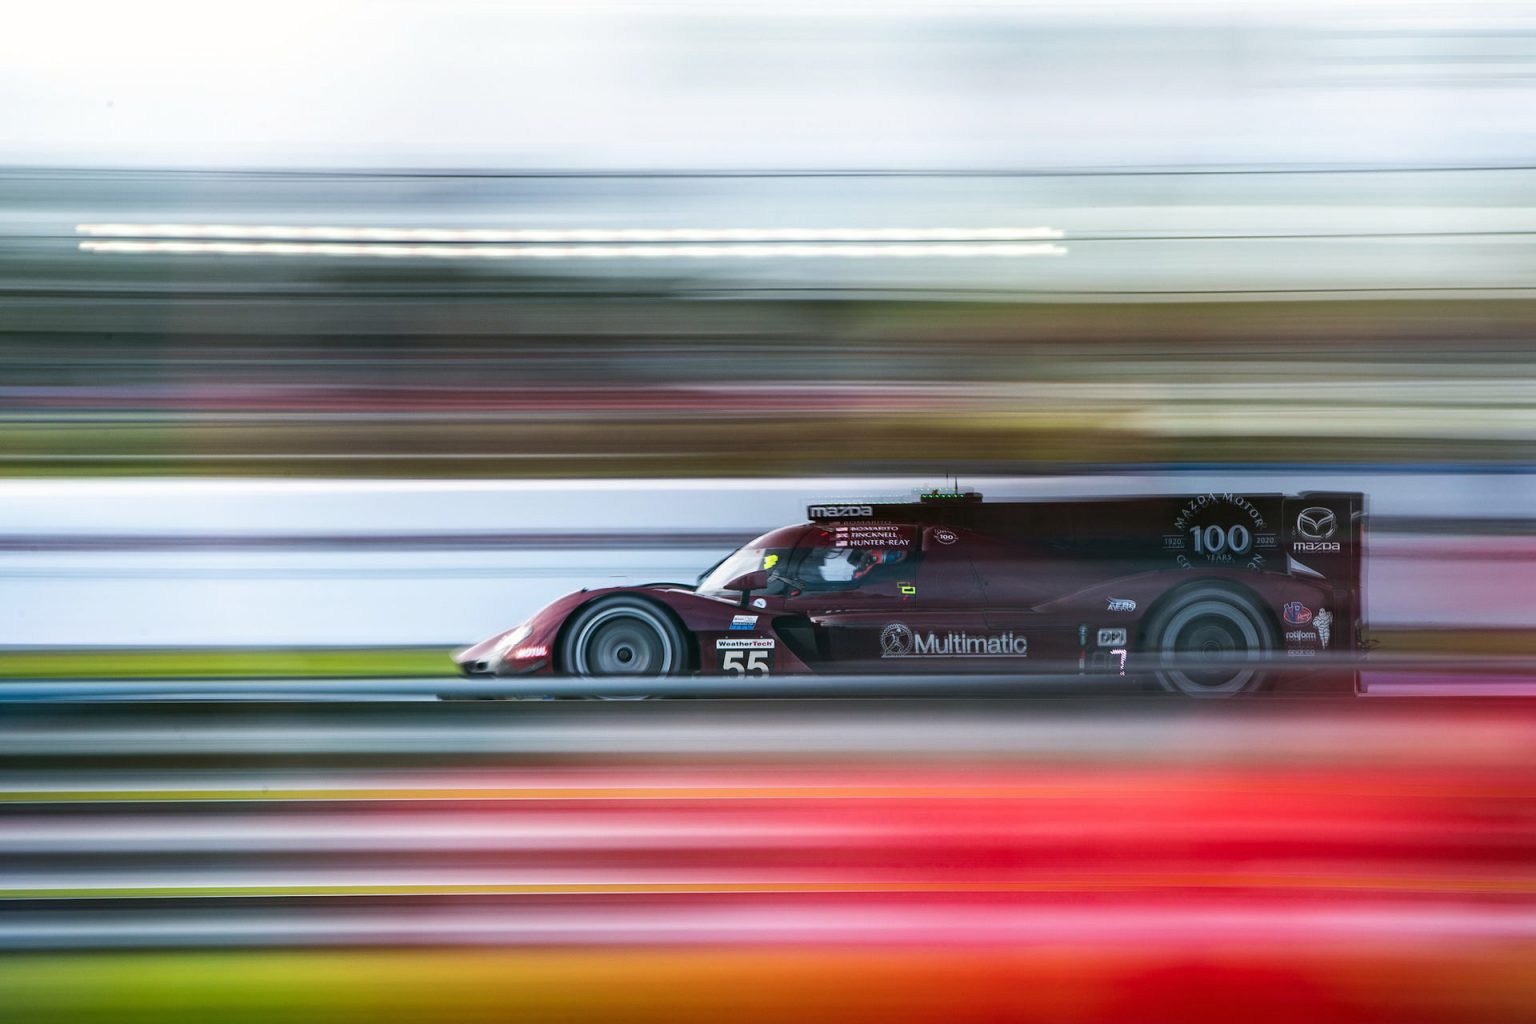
{"x": 820, "y": 557}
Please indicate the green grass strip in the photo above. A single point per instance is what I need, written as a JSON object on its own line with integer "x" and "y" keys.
{"x": 232, "y": 663}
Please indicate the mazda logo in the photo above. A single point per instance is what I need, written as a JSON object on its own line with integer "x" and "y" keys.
{"x": 895, "y": 640}
{"x": 1317, "y": 523}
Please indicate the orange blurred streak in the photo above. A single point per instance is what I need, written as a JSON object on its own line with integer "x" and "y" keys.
{"x": 1485, "y": 983}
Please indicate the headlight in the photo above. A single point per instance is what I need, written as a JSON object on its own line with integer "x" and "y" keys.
{"x": 512, "y": 639}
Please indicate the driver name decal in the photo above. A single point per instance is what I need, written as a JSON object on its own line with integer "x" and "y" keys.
{"x": 871, "y": 535}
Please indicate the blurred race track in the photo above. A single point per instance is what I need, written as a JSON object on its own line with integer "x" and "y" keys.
{"x": 1078, "y": 860}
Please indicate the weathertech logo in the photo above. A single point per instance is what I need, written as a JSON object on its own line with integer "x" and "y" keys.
{"x": 897, "y": 641}
{"x": 755, "y": 643}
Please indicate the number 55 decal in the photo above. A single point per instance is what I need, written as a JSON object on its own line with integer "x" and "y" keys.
{"x": 745, "y": 657}
{"x": 740, "y": 663}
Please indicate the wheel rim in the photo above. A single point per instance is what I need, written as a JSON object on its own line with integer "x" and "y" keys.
{"x": 624, "y": 642}
{"x": 1210, "y": 630}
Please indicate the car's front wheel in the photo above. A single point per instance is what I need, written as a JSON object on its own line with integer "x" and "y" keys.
{"x": 623, "y": 636}
{"x": 1216, "y": 624}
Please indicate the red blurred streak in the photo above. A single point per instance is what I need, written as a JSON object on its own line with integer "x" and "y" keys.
{"x": 1361, "y": 864}
{"x": 1404, "y": 829}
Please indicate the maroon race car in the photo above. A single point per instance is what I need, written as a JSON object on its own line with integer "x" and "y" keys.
{"x": 1208, "y": 594}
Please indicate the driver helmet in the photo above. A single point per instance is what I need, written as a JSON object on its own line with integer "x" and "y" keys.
{"x": 872, "y": 557}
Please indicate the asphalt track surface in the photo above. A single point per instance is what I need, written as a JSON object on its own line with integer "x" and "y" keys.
{"x": 1368, "y": 856}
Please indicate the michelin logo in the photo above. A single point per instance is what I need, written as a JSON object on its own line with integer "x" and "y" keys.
{"x": 1321, "y": 623}
{"x": 898, "y": 641}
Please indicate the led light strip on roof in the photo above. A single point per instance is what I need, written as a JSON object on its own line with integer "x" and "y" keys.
{"x": 567, "y": 252}
{"x": 269, "y": 232}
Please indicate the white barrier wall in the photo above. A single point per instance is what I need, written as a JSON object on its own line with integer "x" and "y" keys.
{"x": 102, "y": 592}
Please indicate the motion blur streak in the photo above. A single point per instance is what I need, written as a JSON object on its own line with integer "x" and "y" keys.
{"x": 268, "y": 231}
{"x": 369, "y": 323}
{"x": 338, "y": 334}
{"x": 1080, "y": 861}
{"x": 567, "y": 252}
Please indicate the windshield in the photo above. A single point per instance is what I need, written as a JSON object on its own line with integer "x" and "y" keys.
{"x": 743, "y": 561}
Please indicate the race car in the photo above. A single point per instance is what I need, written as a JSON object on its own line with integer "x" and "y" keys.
{"x": 1210, "y": 595}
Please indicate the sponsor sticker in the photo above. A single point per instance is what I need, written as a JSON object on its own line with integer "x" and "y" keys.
{"x": 1323, "y": 623}
{"x": 744, "y": 622}
{"x": 1317, "y": 523}
{"x": 1219, "y": 529}
{"x": 1121, "y": 604}
{"x": 1111, "y": 637}
{"x": 1300, "y": 636}
{"x": 769, "y": 561}
{"x": 944, "y": 536}
{"x": 758, "y": 602}
{"x": 907, "y": 588}
{"x": 897, "y": 640}
{"x": 741, "y": 658}
{"x": 1296, "y": 614}
{"x": 1316, "y": 526}
{"x": 756, "y": 643}
{"x": 839, "y": 511}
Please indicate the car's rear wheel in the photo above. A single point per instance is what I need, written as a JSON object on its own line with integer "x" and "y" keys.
{"x": 623, "y": 637}
{"x": 1216, "y": 624}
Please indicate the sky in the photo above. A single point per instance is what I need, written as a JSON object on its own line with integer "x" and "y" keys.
{"x": 754, "y": 85}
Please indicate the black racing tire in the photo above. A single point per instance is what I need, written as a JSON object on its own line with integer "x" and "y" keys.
{"x": 623, "y": 637}
{"x": 1215, "y": 620}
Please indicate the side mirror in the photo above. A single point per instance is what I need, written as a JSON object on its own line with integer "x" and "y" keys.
{"x": 749, "y": 581}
